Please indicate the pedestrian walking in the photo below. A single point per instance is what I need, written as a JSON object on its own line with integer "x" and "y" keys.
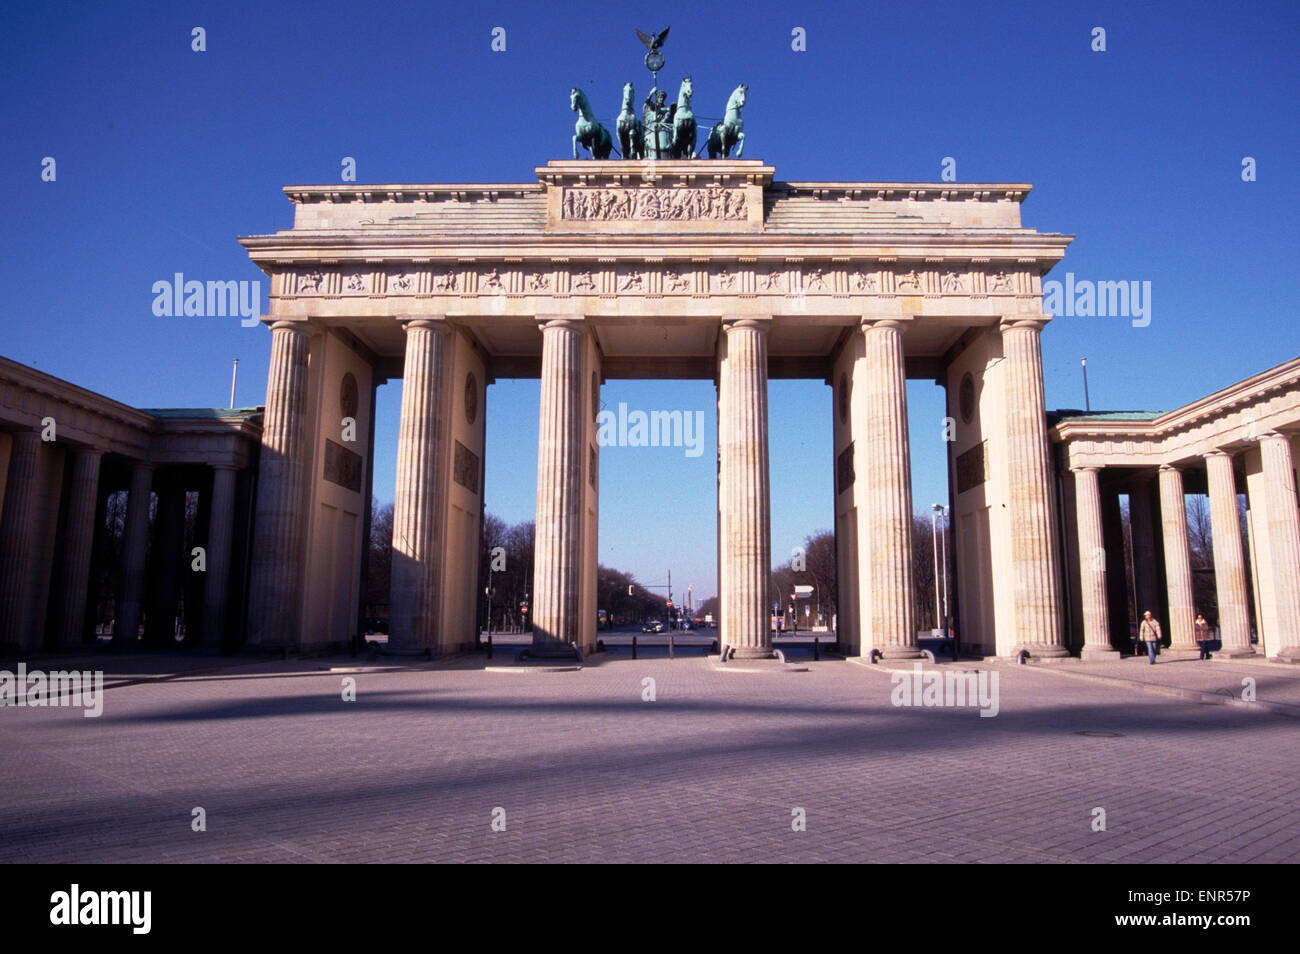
{"x": 1149, "y": 633}
{"x": 1203, "y": 636}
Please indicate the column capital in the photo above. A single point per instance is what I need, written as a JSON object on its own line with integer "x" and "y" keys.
{"x": 1023, "y": 323}
{"x": 568, "y": 322}
{"x": 1085, "y": 469}
{"x": 1170, "y": 468}
{"x": 896, "y": 321}
{"x": 756, "y": 322}
{"x": 1271, "y": 435}
{"x": 1217, "y": 453}
{"x": 438, "y": 323}
{"x": 297, "y": 325}
{"x": 223, "y": 465}
{"x": 94, "y": 452}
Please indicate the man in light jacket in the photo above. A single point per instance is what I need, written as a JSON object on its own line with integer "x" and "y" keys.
{"x": 1149, "y": 633}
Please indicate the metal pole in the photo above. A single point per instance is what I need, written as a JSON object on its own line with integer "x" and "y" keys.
{"x": 1087, "y": 405}
{"x": 234, "y": 372}
{"x": 943, "y": 546}
{"x": 934, "y": 548}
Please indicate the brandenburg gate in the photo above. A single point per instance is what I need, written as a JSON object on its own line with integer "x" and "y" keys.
{"x": 653, "y": 269}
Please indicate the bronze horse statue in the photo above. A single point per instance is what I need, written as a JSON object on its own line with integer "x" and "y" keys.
{"x": 684, "y": 123}
{"x": 631, "y": 131}
{"x": 587, "y": 131}
{"x": 731, "y": 131}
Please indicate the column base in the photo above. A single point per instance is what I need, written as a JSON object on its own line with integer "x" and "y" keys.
{"x": 1090, "y": 653}
{"x": 1043, "y": 652}
{"x": 1287, "y": 654}
{"x": 1233, "y": 653}
{"x": 752, "y": 652}
{"x": 901, "y": 652}
{"x": 1181, "y": 652}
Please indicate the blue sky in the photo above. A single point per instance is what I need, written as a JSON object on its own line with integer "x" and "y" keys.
{"x": 165, "y": 155}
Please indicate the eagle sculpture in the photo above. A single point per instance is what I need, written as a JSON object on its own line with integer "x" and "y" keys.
{"x": 653, "y": 43}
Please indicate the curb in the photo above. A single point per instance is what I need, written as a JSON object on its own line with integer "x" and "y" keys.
{"x": 1192, "y": 695}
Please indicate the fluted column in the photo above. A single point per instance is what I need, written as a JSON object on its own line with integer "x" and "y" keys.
{"x": 135, "y": 544}
{"x": 888, "y": 483}
{"x": 18, "y": 529}
{"x": 78, "y": 543}
{"x": 1142, "y": 529}
{"x": 742, "y": 443}
{"x": 1092, "y": 565}
{"x": 1178, "y": 564}
{"x": 557, "y": 561}
{"x": 216, "y": 580}
{"x": 1229, "y": 563}
{"x": 275, "y": 596}
{"x": 1029, "y": 494}
{"x": 1283, "y": 542}
{"x": 417, "y": 509}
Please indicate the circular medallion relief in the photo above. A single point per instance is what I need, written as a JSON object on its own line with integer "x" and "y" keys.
{"x": 471, "y": 398}
{"x": 844, "y": 397}
{"x": 966, "y": 398}
{"x": 348, "y": 395}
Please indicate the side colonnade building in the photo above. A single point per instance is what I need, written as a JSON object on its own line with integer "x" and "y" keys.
{"x": 1238, "y": 446}
{"x": 64, "y": 451}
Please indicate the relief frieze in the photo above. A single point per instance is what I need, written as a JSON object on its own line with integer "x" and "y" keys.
{"x": 611, "y": 205}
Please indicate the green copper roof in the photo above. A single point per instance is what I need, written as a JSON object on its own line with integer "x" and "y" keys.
{"x": 1073, "y": 414}
{"x": 202, "y": 413}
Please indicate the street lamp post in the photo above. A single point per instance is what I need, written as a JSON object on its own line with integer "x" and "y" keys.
{"x": 943, "y": 554}
{"x": 934, "y": 548}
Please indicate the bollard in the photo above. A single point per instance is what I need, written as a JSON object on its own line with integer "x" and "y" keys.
{"x": 489, "y": 645}
{"x": 634, "y": 645}
{"x": 817, "y": 649}
{"x": 671, "y": 645}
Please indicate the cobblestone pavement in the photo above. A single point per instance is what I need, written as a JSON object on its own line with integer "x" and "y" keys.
{"x": 585, "y": 770}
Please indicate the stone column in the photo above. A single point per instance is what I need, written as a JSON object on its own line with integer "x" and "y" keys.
{"x": 417, "y": 509}
{"x": 275, "y": 593}
{"x": 1178, "y": 565}
{"x": 1283, "y": 541}
{"x": 888, "y": 482}
{"x": 18, "y": 529}
{"x": 1144, "y": 552}
{"x": 78, "y": 543}
{"x": 1029, "y": 494}
{"x": 561, "y": 446}
{"x": 135, "y": 544}
{"x": 1229, "y": 563}
{"x": 1092, "y": 565}
{"x": 216, "y": 574}
{"x": 742, "y": 444}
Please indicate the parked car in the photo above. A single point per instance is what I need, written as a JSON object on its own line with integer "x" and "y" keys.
{"x": 653, "y": 627}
